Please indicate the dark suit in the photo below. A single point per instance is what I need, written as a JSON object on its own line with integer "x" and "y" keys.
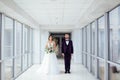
{"x": 67, "y": 50}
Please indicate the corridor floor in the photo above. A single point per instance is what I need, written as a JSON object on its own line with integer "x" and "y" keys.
{"x": 78, "y": 72}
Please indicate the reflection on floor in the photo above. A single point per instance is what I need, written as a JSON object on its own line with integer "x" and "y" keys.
{"x": 78, "y": 72}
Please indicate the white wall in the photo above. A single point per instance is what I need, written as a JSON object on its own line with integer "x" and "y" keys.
{"x": 40, "y": 38}
{"x": 44, "y": 39}
{"x": 76, "y": 37}
{"x": 36, "y": 46}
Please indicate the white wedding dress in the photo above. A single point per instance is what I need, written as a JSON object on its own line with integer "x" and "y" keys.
{"x": 49, "y": 64}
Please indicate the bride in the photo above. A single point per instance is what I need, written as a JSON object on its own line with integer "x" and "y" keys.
{"x": 49, "y": 64}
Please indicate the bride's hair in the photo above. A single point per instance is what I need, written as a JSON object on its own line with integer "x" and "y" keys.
{"x": 50, "y": 36}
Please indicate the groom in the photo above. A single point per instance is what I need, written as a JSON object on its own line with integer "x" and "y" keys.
{"x": 67, "y": 51}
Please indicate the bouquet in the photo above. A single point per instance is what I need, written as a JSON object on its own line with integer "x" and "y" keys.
{"x": 49, "y": 50}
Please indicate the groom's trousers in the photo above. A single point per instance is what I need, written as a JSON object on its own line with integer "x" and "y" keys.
{"x": 67, "y": 60}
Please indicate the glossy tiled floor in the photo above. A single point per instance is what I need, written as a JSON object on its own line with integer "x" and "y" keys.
{"x": 78, "y": 72}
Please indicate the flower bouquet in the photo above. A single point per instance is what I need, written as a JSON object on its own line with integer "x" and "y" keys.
{"x": 49, "y": 50}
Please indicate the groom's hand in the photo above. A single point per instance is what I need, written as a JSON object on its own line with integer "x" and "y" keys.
{"x": 63, "y": 54}
{"x": 71, "y": 55}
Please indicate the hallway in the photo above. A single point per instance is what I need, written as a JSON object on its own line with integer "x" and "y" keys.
{"x": 78, "y": 72}
{"x": 93, "y": 26}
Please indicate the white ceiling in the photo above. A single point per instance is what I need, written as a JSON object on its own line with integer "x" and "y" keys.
{"x": 55, "y": 12}
{"x": 65, "y": 14}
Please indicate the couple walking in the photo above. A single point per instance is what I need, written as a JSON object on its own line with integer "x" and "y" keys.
{"x": 50, "y": 63}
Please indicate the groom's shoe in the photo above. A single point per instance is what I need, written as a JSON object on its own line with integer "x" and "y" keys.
{"x": 65, "y": 72}
{"x": 69, "y": 72}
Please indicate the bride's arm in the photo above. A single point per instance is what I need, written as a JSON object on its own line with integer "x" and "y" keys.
{"x": 54, "y": 45}
{"x": 46, "y": 45}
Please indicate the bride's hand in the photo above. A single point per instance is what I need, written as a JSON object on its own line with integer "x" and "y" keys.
{"x": 63, "y": 54}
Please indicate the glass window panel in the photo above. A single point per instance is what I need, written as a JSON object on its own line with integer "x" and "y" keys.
{"x": 0, "y": 44}
{"x": 25, "y": 40}
{"x": 101, "y": 70}
{"x": 93, "y": 65}
{"x": 31, "y": 44}
{"x": 85, "y": 49}
{"x": 17, "y": 65}
{"x": 88, "y": 46}
{"x": 25, "y": 48}
{"x": 85, "y": 39}
{"x": 101, "y": 40}
{"x": 114, "y": 72}
{"x": 30, "y": 59}
{"x": 85, "y": 46}
{"x": 93, "y": 38}
{"x": 1, "y": 70}
{"x": 8, "y": 38}
{"x": 18, "y": 47}
{"x": 8, "y": 69}
{"x": 18, "y": 36}
{"x": 0, "y": 35}
{"x": 30, "y": 48}
{"x": 114, "y": 30}
{"x": 25, "y": 62}
{"x": 88, "y": 39}
{"x": 84, "y": 59}
{"x": 82, "y": 45}
{"x": 88, "y": 61}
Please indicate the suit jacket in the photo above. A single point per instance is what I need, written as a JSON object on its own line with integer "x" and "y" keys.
{"x": 67, "y": 48}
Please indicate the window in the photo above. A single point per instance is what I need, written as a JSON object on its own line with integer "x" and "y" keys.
{"x": 101, "y": 32}
{"x": 25, "y": 46}
{"x": 101, "y": 70}
{"x": 93, "y": 65}
{"x": 98, "y": 61}
{"x": 31, "y": 47}
{"x": 88, "y": 39}
{"x": 18, "y": 38}
{"x": 85, "y": 46}
{"x": 8, "y": 47}
{"x": 8, "y": 38}
{"x": 0, "y": 43}
{"x": 18, "y": 47}
{"x": 93, "y": 26}
{"x": 88, "y": 46}
{"x": 114, "y": 30}
{"x": 82, "y": 45}
{"x": 93, "y": 37}
{"x": 85, "y": 39}
{"x": 8, "y": 69}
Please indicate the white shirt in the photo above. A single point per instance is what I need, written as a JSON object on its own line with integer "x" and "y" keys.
{"x": 67, "y": 42}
